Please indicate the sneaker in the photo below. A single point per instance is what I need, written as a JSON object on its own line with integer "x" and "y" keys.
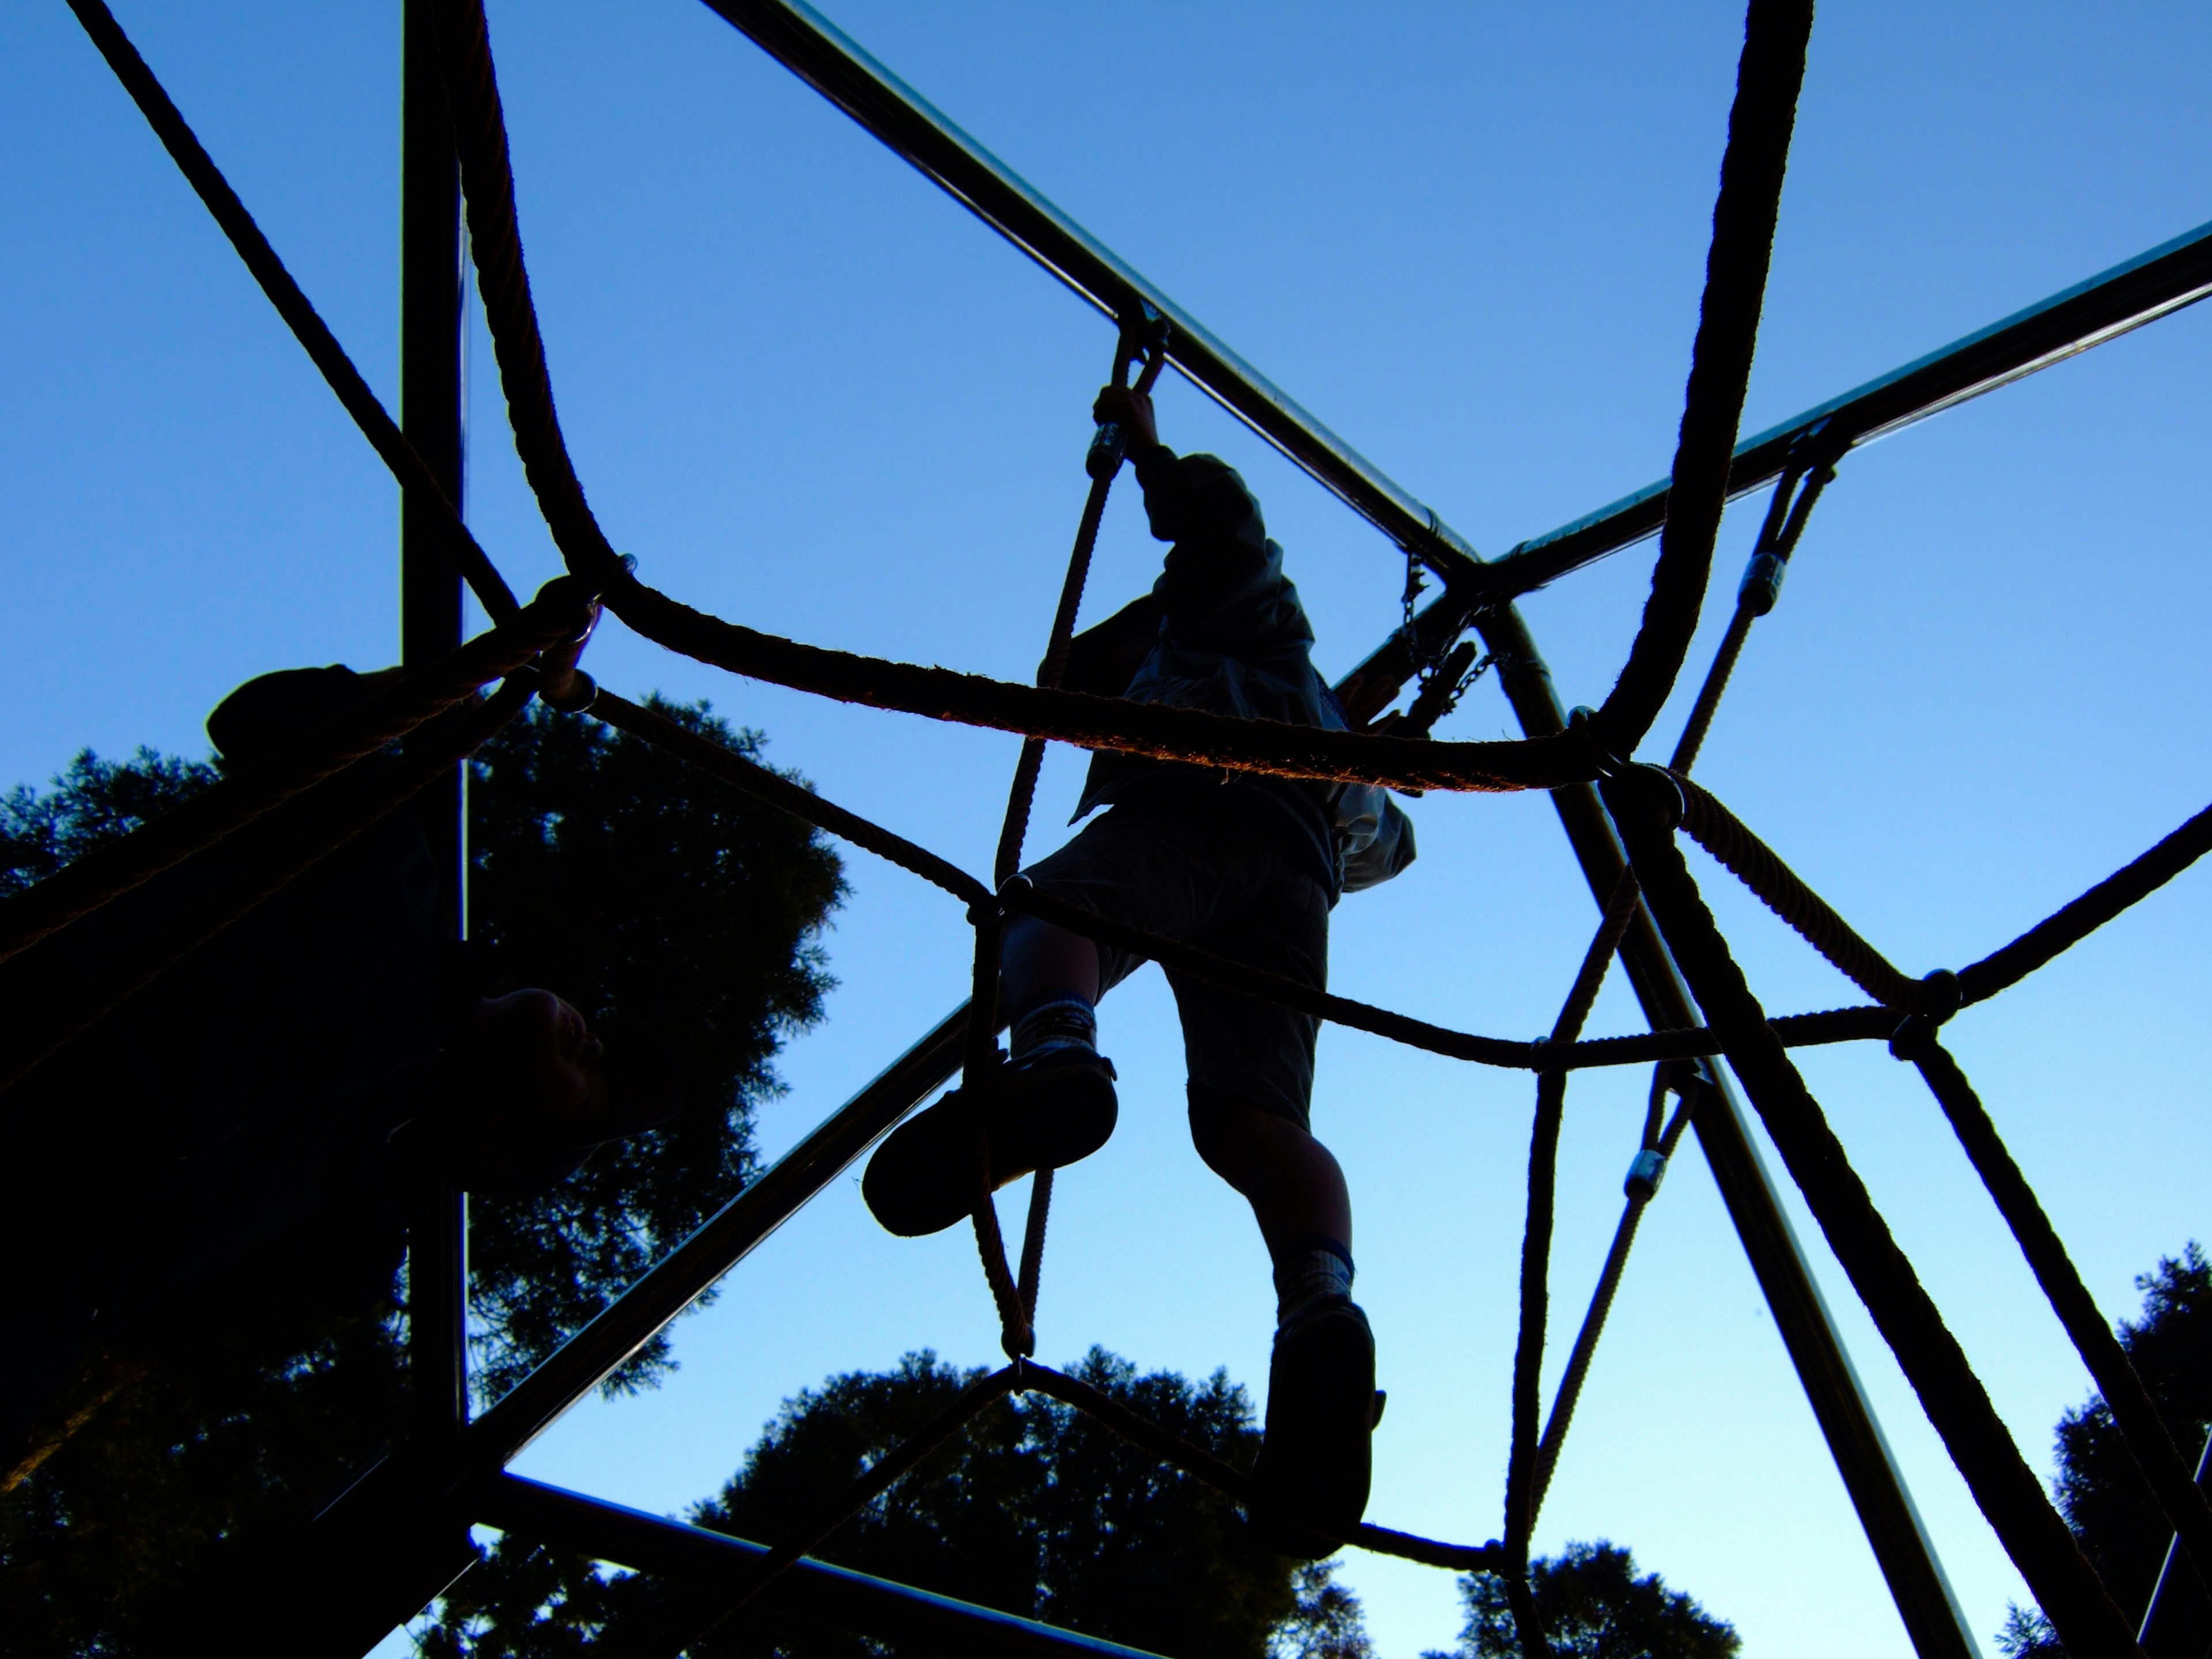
{"x": 1056, "y": 1111}
{"x": 1315, "y": 1464}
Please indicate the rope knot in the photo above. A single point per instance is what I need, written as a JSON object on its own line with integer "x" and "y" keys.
{"x": 1942, "y": 998}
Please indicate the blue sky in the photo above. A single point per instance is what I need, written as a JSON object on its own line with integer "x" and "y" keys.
{"x": 810, "y": 393}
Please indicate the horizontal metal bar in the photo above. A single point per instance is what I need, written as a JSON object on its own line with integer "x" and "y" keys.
{"x": 2171, "y": 275}
{"x": 820, "y": 54}
{"x": 677, "y": 1279}
{"x": 875, "y": 1607}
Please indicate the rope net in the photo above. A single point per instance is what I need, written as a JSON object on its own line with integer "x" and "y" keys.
{"x": 308, "y": 799}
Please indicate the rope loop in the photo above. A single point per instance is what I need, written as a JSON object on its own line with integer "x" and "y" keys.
{"x": 1915, "y": 1038}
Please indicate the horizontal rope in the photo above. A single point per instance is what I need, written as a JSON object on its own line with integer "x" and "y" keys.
{"x": 1271, "y": 747}
{"x": 105, "y": 873}
{"x": 1838, "y": 1025}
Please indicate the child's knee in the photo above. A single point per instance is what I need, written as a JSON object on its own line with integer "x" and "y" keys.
{"x": 1231, "y": 1133}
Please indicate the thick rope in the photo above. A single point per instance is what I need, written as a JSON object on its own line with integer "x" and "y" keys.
{"x": 1094, "y": 722}
{"x": 2148, "y": 1441}
{"x": 2005, "y": 1488}
{"x": 1778, "y": 887}
{"x": 415, "y": 696}
{"x": 2075, "y": 922}
{"x": 1160, "y": 731}
{"x": 290, "y": 842}
{"x": 495, "y": 244}
{"x": 308, "y": 327}
{"x": 1768, "y": 76}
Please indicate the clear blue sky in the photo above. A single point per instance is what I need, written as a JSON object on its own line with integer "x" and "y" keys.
{"x": 812, "y": 394}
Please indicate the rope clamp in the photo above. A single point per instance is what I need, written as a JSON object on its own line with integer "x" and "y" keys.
{"x": 1644, "y": 1175}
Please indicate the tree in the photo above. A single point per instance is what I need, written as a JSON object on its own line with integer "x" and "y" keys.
{"x": 2100, "y": 1490}
{"x": 1035, "y": 1509}
{"x": 1593, "y": 1605}
{"x": 604, "y": 870}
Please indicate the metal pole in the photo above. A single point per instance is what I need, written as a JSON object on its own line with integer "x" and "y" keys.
{"x": 878, "y": 1608}
{"x": 430, "y": 414}
{"x": 2177, "y": 1624}
{"x": 1903, "y": 1550}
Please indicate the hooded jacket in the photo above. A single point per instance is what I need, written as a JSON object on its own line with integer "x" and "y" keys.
{"x": 1233, "y": 638}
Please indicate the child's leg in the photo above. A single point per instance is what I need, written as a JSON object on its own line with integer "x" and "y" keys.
{"x": 1039, "y": 963}
{"x": 1293, "y": 1183}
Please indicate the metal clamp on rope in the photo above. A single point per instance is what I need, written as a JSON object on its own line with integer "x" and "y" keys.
{"x": 1644, "y": 1175}
{"x": 1916, "y": 1035}
{"x": 1762, "y": 581}
{"x": 1148, "y": 340}
{"x": 561, "y": 684}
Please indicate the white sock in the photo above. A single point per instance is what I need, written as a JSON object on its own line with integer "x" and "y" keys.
{"x": 1064, "y": 1022}
{"x": 1310, "y": 1271}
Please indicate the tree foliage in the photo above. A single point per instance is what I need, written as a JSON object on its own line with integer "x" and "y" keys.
{"x": 1593, "y": 1605}
{"x": 603, "y": 869}
{"x": 637, "y": 887}
{"x": 2100, "y": 1490}
{"x": 1035, "y": 1510}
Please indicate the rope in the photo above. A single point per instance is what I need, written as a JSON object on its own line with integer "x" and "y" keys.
{"x": 2168, "y": 1476}
{"x": 417, "y": 694}
{"x": 306, "y": 325}
{"x": 1234, "y": 1484}
{"x": 2074, "y": 922}
{"x": 1600, "y": 1307}
{"x": 495, "y": 244}
{"x": 1795, "y": 1030}
{"x": 760, "y": 782}
{"x": 1158, "y": 730}
{"x": 1107, "y": 447}
{"x": 2006, "y": 1491}
{"x": 294, "y": 838}
{"x": 1528, "y": 1361}
{"x": 1717, "y": 829}
{"x": 1768, "y": 76}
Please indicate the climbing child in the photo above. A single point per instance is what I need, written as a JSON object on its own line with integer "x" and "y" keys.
{"x": 1240, "y": 865}
{"x": 263, "y": 1103}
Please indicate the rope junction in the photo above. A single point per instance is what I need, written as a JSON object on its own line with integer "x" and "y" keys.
{"x": 299, "y": 804}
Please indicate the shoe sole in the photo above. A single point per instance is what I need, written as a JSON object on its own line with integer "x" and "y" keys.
{"x": 1315, "y": 1463}
{"x": 923, "y": 1179}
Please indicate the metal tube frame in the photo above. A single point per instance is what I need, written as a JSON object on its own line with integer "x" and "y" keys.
{"x": 466, "y": 1479}
{"x": 431, "y": 418}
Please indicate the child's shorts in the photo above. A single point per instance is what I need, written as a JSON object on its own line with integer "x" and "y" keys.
{"x": 1223, "y": 880}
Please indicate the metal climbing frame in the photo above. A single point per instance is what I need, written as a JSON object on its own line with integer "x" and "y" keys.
{"x": 397, "y": 1536}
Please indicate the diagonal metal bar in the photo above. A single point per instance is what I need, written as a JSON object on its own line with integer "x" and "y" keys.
{"x": 876, "y": 1608}
{"x": 1925, "y": 1602}
{"x": 2141, "y": 290}
{"x": 724, "y": 1239}
{"x": 814, "y": 49}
